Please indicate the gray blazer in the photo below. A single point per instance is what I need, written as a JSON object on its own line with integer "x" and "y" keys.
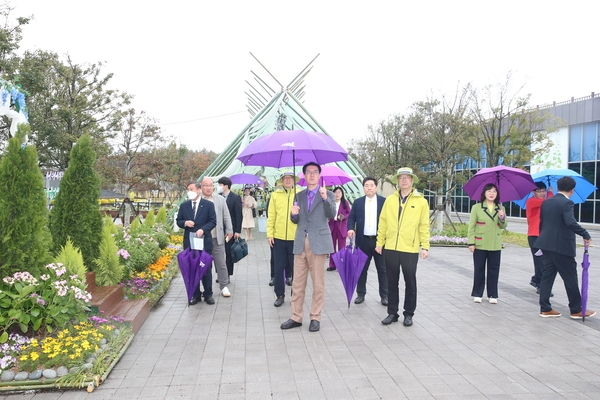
{"x": 224, "y": 225}
{"x": 314, "y": 222}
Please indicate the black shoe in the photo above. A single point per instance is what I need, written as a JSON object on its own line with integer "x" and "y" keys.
{"x": 384, "y": 301}
{"x": 359, "y": 299}
{"x": 389, "y": 319}
{"x": 288, "y": 281}
{"x": 279, "y": 301}
{"x": 532, "y": 283}
{"x": 209, "y": 300}
{"x": 314, "y": 325}
{"x": 272, "y": 282}
{"x": 194, "y": 301}
{"x": 290, "y": 323}
{"x": 331, "y": 269}
{"x": 407, "y": 320}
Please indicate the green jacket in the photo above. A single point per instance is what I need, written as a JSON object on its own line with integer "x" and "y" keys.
{"x": 485, "y": 229}
{"x": 279, "y": 224}
{"x": 408, "y": 231}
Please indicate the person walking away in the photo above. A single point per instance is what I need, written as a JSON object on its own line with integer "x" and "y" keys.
{"x": 557, "y": 242}
{"x": 339, "y": 225}
{"x": 486, "y": 222}
{"x": 312, "y": 243}
{"x": 403, "y": 232}
{"x": 362, "y": 227}
{"x": 281, "y": 232}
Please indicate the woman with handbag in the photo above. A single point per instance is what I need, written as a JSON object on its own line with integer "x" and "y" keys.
{"x": 248, "y": 205}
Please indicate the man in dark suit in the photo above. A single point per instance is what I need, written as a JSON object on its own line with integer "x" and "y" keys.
{"x": 312, "y": 243}
{"x": 198, "y": 216}
{"x": 362, "y": 227}
{"x": 557, "y": 242}
{"x": 234, "y": 204}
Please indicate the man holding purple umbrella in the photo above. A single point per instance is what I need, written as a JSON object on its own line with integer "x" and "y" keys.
{"x": 312, "y": 243}
{"x": 557, "y": 242}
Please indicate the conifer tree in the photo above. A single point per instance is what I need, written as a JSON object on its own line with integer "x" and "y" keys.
{"x": 76, "y": 212}
{"x": 24, "y": 236}
{"x": 71, "y": 258}
{"x": 161, "y": 217}
{"x": 149, "y": 220}
{"x": 107, "y": 267}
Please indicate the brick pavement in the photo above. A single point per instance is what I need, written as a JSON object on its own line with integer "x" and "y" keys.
{"x": 456, "y": 349}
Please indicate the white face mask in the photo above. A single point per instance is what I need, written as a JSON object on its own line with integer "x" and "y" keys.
{"x": 220, "y": 189}
{"x": 192, "y": 195}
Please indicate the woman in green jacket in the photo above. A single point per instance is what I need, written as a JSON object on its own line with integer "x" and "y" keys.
{"x": 485, "y": 242}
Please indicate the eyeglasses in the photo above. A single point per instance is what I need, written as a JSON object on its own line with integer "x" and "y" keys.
{"x": 316, "y": 172}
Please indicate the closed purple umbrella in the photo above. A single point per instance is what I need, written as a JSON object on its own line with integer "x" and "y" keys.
{"x": 193, "y": 264}
{"x": 349, "y": 262}
{"x": 585, "y": 266}
{"x": 513, "y": 183}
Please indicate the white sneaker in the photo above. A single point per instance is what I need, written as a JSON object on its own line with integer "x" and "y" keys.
{"x": 477, "y": 299}
{"x": 493, "y": 300}
{"x": 225, "y": 292}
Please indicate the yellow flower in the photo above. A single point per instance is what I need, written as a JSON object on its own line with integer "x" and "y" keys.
{"x": 34, "y": 356}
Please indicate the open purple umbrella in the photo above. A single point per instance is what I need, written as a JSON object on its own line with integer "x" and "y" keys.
{"x": 512, "y": 183}
{"x": 246, "y": 179}
{"x": 193, "y": 264}
{"x": 331, "y": 175}
{"x": 585, "y": 265}
{"x": 349, "y": 262}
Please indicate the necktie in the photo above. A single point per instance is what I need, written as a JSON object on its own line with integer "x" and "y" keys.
{"x": 311, "y": 196}
{"x": 194, "y": 209}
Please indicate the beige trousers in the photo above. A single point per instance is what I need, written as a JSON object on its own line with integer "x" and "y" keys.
{"x": 303, "y": 264}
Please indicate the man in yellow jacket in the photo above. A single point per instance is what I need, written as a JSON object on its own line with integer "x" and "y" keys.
{"x": 281, "y": 232}
{"x": 403, "y": 232}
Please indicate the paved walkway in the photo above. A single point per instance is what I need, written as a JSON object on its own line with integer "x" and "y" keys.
{"x": 456, "y": 349}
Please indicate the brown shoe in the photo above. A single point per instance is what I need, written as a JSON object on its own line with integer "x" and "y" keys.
{"x": 549, "y": 314}
{"x": 588, "y": 313}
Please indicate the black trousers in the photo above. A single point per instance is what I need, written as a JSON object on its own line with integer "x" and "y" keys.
{"x": 537, "y": 261}
{"x": 283, "y": 256}
{"x": 368, "y": 247}
{"x": 228, "y": 259}
{"x": 567, "y": 268}
{"x": 480, "y": 258}
{"x": 394, "y": 261}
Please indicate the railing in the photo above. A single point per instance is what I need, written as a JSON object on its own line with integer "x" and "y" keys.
{"x": 573, "y": 100}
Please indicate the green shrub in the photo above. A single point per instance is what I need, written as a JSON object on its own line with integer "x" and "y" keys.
{"x": 40, "y": 306}
{"x": 71, "y": 258}
{"x": 107, "y": 267}
{"x": 161, "y": 217}
{"x": 76, "y": 212}
{"x": 108, "y": 221}
{"x": 149, "y": 220}
{"x": 143, "y": 249}
{"x": 24, "y": 236}
{"x": 135, "y": 224}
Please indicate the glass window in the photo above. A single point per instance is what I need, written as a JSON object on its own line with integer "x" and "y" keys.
{"x": 587, "y": 211}
{"x": 589, "y": 142}
{"x": 575, "y": 144}
{"x": 589, "y": 173}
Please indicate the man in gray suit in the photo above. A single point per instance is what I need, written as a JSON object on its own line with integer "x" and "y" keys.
{"x": 223, "y": 229}
{"x": 312, "y": 243}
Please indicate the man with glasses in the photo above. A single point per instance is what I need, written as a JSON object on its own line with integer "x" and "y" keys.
{"x": 312, "y": 243}
{"x": 403, "y": 232}
{"x": 532, "y": 208}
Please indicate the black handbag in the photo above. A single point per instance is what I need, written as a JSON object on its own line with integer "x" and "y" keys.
{"x": 254, "y": 213}
{"x": 239, "y": 250}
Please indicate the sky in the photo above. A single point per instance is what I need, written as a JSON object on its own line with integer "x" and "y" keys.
{"x": 186, "y": 63}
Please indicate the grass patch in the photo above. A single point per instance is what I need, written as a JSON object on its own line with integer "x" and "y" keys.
{"x": 519, "y": 239}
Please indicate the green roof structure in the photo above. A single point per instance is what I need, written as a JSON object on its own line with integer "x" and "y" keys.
{"x": 274, "y": 107}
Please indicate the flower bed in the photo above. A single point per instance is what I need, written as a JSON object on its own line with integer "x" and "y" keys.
{"x": 452, "y": 241}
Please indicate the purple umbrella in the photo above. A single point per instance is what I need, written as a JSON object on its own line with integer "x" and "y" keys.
{"x": 331, "y": 175}
{"x": 193, "y": 264}
{"x": 291, "y": 148}
{"x": 585, "y": 265}
{"x": 512, "y": 183}
{"x": 350, "y": 262}
{"x": 248, "y": 179}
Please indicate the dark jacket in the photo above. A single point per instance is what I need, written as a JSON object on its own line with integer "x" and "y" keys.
{"x": 206, "y": 219}
{"x": 558, "y": 226}
{"x": 356, "y": 220}
{"x": 234, "y": 204}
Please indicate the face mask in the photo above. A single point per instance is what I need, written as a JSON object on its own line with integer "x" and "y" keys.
{"x": 220, "y": 189}
{"x": 192, "y": 195}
